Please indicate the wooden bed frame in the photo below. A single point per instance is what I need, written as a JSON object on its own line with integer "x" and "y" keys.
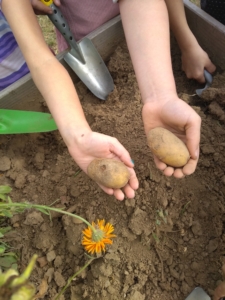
{"x": 209, "y": 32}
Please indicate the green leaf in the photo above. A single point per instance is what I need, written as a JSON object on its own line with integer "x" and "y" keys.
{"x": 5, "y": 189}
{"x": 3, "y": 230}
{"x": 7, "y": 213}
{"x": 14, "y": 266}
{"x": 9, "y": 199}
{"x": 44, "y": 211}
{"x": 3, "y": 197}
{"x": 7, "y": 261}
{"x": 2, "y": 249}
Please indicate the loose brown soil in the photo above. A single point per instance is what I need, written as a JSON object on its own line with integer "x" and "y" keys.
{"x": 170, "y": 238}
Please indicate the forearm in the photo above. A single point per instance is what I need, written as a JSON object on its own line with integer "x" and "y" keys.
{"x": 179, "y": 25}
{"x": 59, "y": 92}
{"x": 49, "y": 75}
{"x": 146, "y": 29}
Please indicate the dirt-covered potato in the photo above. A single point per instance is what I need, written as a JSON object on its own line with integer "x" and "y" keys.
{"x": 109, "y": 172}
{"x": 167, "y": 147}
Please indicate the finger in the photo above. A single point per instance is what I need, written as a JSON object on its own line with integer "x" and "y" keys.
{"x": 117, "y": 148}
{"x": 133, "y": 181}
{"x": 178, "y": 173}
{"x": 210, "y": 67}
{"x": 108, "y": 191}
{"x": 159, "y": 164}
{"x": 119, "y": 195}
{"x": 57, "y": 2}
{"x": 199, "y": 76}
{"x": 129, "y": 192}
{"x": 190, "y": 167}
{"x": 168, "y": 171}
{"x": 38, "y": 6}
{"x": 193, "y": 136}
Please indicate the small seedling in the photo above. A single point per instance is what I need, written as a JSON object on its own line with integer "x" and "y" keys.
{"x": 163, "y": 215}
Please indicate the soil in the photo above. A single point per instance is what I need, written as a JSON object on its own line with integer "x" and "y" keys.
{"x": 170, "y": 237}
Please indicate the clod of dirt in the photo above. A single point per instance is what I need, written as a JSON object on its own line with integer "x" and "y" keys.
{"x": 39, "y": 160}
{"x": 213, "y": 245}
{"x": 196, "y": 228}
{"x": 34, "y": 218}
{"x": 216, "y": 110}
{"x": 138, "y": 222}
{"x": 5, "y": 163}
{"x": 135, "y": 295}
{"x": 42, "y": 261}
{"x": 59, "y": 279}
{"x": 51, "y": 256}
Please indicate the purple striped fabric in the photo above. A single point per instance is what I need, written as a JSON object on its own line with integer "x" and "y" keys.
{"x": 84, "y": 16}
{"x": 12, "y": 63}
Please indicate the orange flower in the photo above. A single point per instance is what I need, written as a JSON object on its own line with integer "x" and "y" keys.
{"x": 94, "y": 241}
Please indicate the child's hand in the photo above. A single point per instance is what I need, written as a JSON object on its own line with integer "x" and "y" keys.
{"x": 95, "y": 145}
{"x": 194, "y": 61}
{"x": 42, "y": 9}
{"x": 178, "y": 117}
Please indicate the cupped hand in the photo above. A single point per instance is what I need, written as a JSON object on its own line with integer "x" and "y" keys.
{"x": 178, "y": 117}
{"x": 95, "y": 145}
{"x": 42, "y": 9}
{"x": 194, "y": 61}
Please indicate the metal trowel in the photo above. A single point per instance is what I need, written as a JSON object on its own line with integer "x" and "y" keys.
{"x": 18, "y": 121}
{"x": 198, "y": 294}
{"x": 208, "y": 82}
{"x": 83, "y": 57}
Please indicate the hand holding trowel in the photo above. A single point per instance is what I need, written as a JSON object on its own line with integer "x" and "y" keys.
{"x": 83, "y": 57}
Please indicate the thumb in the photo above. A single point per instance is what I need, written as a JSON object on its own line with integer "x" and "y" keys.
{"x": 41, "y": 8}
{"x": 117, "y": 148}
{"x": 210, "y": 67}
{"x": 193, "y": 138}
{"x": 57, "y": 2}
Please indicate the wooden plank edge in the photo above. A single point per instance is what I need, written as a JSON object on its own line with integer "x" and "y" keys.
{"x": 105, "y": 38}
{"x": 209, "y": 32}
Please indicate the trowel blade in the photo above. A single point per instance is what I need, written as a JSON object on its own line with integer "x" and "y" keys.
{"x": 198, "y": 294}
{"x": 94, "y": 73}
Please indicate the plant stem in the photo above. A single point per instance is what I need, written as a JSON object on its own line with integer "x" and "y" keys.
{"x": 72, "y": 277}
{"x": 37, "y": 206}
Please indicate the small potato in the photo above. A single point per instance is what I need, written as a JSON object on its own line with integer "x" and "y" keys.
{"x": 108, "y": 172}
{"x": 167, "y": 147}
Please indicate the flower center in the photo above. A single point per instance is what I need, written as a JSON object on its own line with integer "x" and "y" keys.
{"x": 98, "y": 235}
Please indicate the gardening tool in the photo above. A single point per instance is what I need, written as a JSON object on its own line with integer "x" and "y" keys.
{"x": 83, "y": 57}
{"x": 208, "y": 80}
{"x": 198, "y": 294}
{"x": 18, "y": 121}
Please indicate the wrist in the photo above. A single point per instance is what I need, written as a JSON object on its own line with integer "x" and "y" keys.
{"x": 188, "y": 43}
{"x": 161, "y": 96}
{"x": 75, "y": 134}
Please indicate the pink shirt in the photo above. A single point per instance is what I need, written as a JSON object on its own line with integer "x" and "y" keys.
{"x": 84, "y": 16}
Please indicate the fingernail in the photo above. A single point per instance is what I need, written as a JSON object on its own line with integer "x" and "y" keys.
{"x": 132, "y": 161}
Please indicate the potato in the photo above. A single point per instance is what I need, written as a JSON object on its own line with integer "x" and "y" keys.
{"x": 167, "y": 147}
{"x": 109, "y": 172}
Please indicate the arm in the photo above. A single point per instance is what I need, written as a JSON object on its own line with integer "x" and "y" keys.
{"x": 194, "y": 58}
{"x": 55, "y": 84}
{"x": 146, "y": 27}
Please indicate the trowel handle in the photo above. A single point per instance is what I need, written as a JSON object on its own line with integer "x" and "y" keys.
{"x": 60, "y": 23}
